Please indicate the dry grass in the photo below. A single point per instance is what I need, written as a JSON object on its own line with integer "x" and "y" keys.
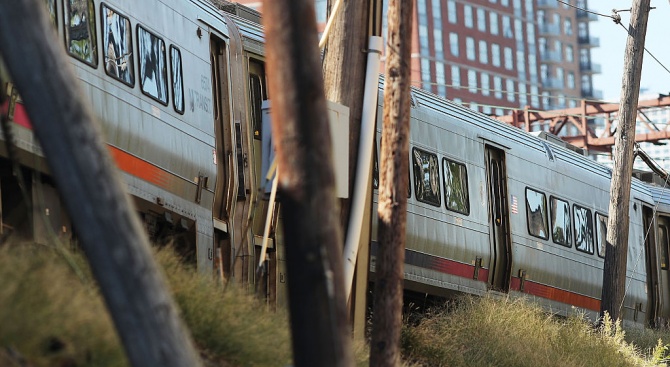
{"x": 51, "y": 314}
{"x": 514, "y": 332}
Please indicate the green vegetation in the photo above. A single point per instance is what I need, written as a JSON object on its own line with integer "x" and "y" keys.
{"x": 51, "y": 314}
{"x": 514, "y": 332}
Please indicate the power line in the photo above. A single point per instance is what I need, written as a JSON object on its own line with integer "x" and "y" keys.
{"x": 646, "y": 50}
{"x": 613, "y": 17}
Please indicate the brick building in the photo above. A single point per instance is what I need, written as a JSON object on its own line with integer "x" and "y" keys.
{"x": 497, "y": 54}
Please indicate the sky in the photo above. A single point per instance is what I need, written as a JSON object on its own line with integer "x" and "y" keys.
{"x": 610, "y": 54}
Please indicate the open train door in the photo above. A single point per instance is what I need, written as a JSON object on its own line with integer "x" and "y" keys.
{"x": 663, "y": 241}
{"x": 224, "y": 197}
{"x": 651, "y": 262}
{"x": 501, "y": 248}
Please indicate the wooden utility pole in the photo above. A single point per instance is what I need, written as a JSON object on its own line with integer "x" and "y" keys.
{"x": 616, "y": 252}
{"x": 344, "y": 73}
{"x": 109, "y": 231}
{"x": 307, "y": 186}
{"x": 344, "y": 70}
{"x": 392, "y": 207}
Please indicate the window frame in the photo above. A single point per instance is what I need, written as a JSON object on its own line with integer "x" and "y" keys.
{"x": 545, "y": 217}
{"x": 574, "y": 229}
{"x": 438, "y": 202}
{"x": 66, "y": 35}
{"x": 131, "y": 58}
{"x": 139, "y": 65}
{"x": 464, "y": 169}
{"x": 172, "y": 80}
{"x": 568, "y": 236}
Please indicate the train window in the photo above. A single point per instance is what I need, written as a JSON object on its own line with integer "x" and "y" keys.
{"x": 561, "y": 228}
{"x": 153, "y": 65}
{"x": 601, "y": 233}
{"x": 177, "y": 79}
{"x": 583, "y": 229}
{"x": 426, "y": 177}
{"x": 663, "y": 245}
{"x": 536, "y": 213}
{"x": 51, "y": 8}
{"x": 80, "y": 40}
{"x": 117, "y": 45}
{"x": 256, "y": 98}
{"x": 456, "y": 195}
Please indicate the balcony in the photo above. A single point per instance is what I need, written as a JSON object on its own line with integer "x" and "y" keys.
{"x": 590, "y": 68}
{"x": 547, "y": 4}
{"x": 549, "y": 29}
{"x": 552, "y": 83}
{"x": 589, "y": 41}
{"x": 592, "y": 94}
{"x": 586, "y": 16}
{"x": 551, "y": 56}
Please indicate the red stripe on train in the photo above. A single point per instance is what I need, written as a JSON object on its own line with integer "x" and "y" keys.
{"x": 20, "y": 114}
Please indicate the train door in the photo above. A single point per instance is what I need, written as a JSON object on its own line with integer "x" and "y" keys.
{"x": 225, "y": 184}
{"x": 651, "y": 262}
{"x": 663, "y": 247}
{"x": 265, "y": 277}
{"x": 501, "y": 249}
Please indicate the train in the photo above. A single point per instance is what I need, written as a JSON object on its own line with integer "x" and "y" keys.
{"x": 179, "y": 86}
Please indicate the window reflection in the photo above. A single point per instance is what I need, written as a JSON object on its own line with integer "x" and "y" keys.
{"x": 536, "y": 213}
{"x": 80, "y": 38}
{"x": 426, "y": 177}
{"x": 583, "y": 229}
{"x": 561, "y": 227}
{"x": 456, "y": 194}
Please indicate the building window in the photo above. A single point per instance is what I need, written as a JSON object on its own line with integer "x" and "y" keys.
{"x": 486, "y": 86}
{"x": 80, "y": 36}
{"x": 507, "y": 27}
{"x": 495, "y": 54}
{"x": 470, "y": 48}
{"x": 440, "y": 79}
{"x": 153, "y": 65}
{"x": 583, "y": 221}
{"x": 426, "y": 177}
{"x": 534, "y": 96}
{"x": 523, "y": 97}
{"x": 453, "y": 43}
{"x": 567, "y": 26}
{"x": 509, "y": 59}
{"x": 455, "y": 76}
{"x": 561, "y": 227}
{"x": 536, "y": 214}
{"x": 571, "y": 80}
{"x": 569, "y": 53}
{"x": 497, "y": 87}
{"x": 493, "y": 23}
{"x": 483, "y": 52}
{"x": 456, "y": 196}
{"x": 467, "y": 16}
{"x": 481, "y": 20}
{"x": 451, "y": 11}
{"x": 117, "y": 47}
{"x": 510, "y": 90}
{"x": 472, "y": 81}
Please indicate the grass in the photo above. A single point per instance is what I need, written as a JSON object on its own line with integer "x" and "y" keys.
{"x": 515, "y": 332}
{"x": 51, "y": 314}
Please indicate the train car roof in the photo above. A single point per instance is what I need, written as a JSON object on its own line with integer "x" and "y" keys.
{"x": 488, "y": 127}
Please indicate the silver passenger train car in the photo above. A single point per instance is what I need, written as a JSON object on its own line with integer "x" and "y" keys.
{"x": 178, "y": 87}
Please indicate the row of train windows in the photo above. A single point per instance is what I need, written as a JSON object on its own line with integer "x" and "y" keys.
{"x": 117, "y": 51}
{"x": 427, "y": 181}
{"x": 565, "y": 226}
